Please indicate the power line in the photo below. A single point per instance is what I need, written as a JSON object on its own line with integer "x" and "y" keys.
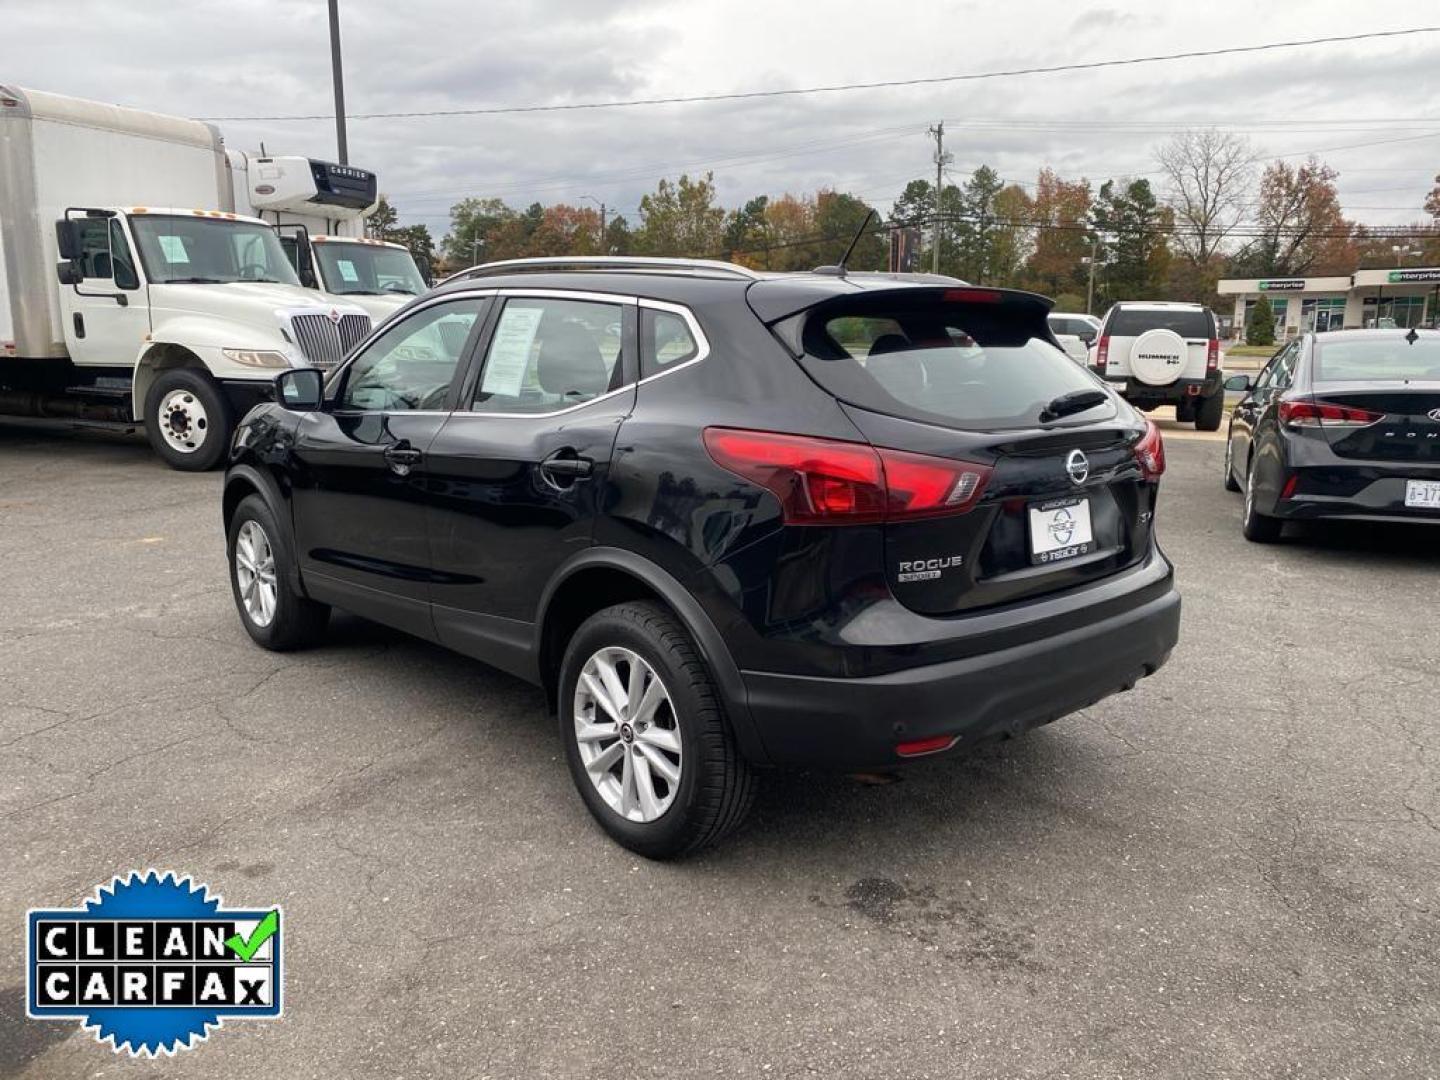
{"x": 1090, "y": 65}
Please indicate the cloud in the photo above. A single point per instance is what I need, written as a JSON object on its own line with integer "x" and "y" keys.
{"x": 271, "y": 57}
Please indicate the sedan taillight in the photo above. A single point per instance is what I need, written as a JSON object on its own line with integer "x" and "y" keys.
{"x": 829, "y": 482}
{"x": 1149, "y": 451}
{"x": 1309, "y": 413}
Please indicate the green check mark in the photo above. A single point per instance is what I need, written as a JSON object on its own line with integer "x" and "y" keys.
{"x": 264, "y": 932}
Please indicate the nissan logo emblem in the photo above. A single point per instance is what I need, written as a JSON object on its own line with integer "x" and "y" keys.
{"x": 1434, "y": 414}
{"x": 1077, "y": 466}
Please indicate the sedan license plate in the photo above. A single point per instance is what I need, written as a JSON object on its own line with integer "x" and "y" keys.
{"x": 1059, "y": 530}
{"x": 1423, "y": 494}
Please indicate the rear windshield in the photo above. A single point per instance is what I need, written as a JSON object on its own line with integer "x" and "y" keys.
{"x": 1132, "y": 322}
{"x": 1373, "y": 359}
{"x": 1062, "y": 325}
{"x": 973, "y": 366}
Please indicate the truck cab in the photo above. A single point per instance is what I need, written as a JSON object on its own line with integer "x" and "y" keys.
{"x": 319, "y": 208}
{"x": 185, "y": 315}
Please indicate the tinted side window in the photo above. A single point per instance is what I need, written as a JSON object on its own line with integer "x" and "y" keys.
{"x": 665, "y": 341}
{"x": 412, "y": 364}
{"x": 547, "y": 354}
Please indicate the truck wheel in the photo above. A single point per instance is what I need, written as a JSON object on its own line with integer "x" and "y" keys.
{"x": 645, "y": 736}
{"x": 273, "y": 613}
{"x": 187, "y": 420}
{"x": 1210, "y": 412}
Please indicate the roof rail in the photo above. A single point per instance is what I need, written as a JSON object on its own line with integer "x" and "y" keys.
{"x": 697, "y": 267}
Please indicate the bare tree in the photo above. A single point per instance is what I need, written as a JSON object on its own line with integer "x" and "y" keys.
{"x": 1208, "y": 175}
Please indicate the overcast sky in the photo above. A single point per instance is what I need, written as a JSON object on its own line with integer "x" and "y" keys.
{"x": 271, "y": 57}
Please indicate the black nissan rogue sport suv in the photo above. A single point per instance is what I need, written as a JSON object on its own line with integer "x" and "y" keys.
{"x": 727, "y": 520}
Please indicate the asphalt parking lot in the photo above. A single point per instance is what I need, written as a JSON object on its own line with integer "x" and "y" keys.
{"x": 1232, "y": 871}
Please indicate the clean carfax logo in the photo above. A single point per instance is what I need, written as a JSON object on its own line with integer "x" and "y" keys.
{"x": 151, "y": 963}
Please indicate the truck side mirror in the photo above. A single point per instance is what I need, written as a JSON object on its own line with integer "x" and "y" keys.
{"x": 305, "y": 261}
{"x": 67, "y": 238}
{"x": 300, "y": 389}
{"x": 427, "y": 272}
{"x": 68, "y": 272}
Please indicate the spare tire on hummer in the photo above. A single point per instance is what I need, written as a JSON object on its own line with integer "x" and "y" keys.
{"x": 1157, "y": 357}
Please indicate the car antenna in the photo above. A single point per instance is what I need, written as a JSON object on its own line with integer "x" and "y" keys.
{"x": 839, "y": 269}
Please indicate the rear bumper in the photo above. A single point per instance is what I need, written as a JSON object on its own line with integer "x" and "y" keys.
{"x": 1143, "y": 393}
{"x": 854, "y": 723}
{"x": 1380, "y": 499}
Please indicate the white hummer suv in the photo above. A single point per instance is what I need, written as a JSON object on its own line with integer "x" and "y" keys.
{"x": 1162, "y": 353}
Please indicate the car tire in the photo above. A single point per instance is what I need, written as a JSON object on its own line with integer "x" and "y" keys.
{"x": 1210, "y": 412}
{"x": 262, "y": 564}
{"x": 696, "y": 787}
{"x": 187, "y": 420}
{"x": 1231, "y": 484}
{"x": 1258, "y": 528}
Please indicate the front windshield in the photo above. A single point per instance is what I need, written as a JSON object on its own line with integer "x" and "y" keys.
{"x": 210, "y": 251}
{"x": 367, "y": 269}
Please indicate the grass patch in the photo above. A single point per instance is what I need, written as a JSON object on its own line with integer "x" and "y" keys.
{"x": 1253, "y": 350}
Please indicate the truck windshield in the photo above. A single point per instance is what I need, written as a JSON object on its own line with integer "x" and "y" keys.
{"x": 367, "y": 269}
{"x": 209, "y": 251}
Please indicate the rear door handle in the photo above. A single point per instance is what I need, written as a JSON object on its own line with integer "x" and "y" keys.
{"x": 564, "y": 467}
{"x": 402, "y": 457}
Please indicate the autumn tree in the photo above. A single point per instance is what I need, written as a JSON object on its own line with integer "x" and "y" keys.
{"x": 1060, "y": 213}
{"x": 681, "y": 218}
{"x": 1299, "y": 221}
{"x": 790, "y": 228}
{"x": 472, "y": 221}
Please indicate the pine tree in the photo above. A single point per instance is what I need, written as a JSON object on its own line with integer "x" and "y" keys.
{"x": 1260, "y": 326}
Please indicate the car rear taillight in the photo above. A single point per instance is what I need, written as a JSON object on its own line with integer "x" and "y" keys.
{"x": 829, "y": 482}
{"x": 1212, "y": 355}
{"x": 1309, "y": 413}
{"x": 1149, "y": 451}
{"x": 1102, "y": 353}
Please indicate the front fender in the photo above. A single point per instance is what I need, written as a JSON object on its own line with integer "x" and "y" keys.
{"x": 248, "y": 477}
{"x": 206, "y": 336}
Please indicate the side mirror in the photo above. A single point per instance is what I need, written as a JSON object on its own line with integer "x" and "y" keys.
{"x": 68, "y": 272}
{"x": 304, "y": 261}
{"x": 300, "y": 389}
{"x": 1088, "y": 337}
{"x": 426, "y": 271}
{"x": 67, "y": 238}
{"x": 1238, "y": 382}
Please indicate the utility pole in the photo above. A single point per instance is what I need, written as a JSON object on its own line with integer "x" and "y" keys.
{"x": 941, "y": 160}
{"x": 339, "y": 77}
{"x": 1090, "y": 291}
{"x": 601, "y": 205}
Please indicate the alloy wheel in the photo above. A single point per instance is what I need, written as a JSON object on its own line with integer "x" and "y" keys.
{"x": 628, "y": 734}
{"x": 255, "y": 573}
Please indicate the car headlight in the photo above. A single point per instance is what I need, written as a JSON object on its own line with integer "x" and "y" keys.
{"x": 266, "y": 358}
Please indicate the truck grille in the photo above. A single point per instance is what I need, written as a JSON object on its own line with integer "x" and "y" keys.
{"x": 325, "y": 343}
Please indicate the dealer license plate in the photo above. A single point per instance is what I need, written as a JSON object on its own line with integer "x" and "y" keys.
{"x": 1423, "y": 494}
{"x": 1059, "y": 530}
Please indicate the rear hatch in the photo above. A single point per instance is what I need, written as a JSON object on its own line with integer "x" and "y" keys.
{"x": 1383, "y": 393}
{"x": 969, "y": 377}
{"x": 1194, "y": 326}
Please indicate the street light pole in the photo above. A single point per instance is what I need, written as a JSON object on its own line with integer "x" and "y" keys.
{"x": 339, "y": 78}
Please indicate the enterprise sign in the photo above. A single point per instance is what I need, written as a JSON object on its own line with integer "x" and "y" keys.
{"x": 1398, "y": 277}
{"x": 1283, "y": 285}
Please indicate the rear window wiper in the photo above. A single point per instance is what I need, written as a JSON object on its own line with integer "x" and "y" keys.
{"x": 1074, "y": 402}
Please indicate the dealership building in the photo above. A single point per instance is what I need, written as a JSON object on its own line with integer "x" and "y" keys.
{"x": 1398, "y": 296}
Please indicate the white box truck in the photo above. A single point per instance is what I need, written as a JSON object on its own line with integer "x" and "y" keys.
{"x": 319, "y": 208}
{"x": 127, "y": 294}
